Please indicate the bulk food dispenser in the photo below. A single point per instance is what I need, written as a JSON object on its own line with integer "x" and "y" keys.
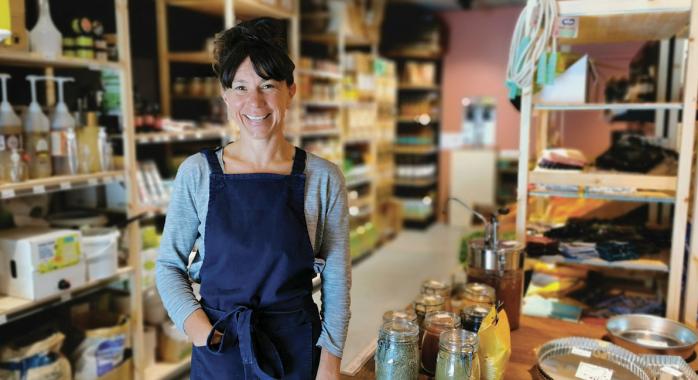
{"x": 498, "y": 264}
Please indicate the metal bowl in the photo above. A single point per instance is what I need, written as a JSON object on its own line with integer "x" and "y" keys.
{"x": 649, "y": 334}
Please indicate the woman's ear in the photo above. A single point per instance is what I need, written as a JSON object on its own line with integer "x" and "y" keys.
{"x": 291, "y": 93}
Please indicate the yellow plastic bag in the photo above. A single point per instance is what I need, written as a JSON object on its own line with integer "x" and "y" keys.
{"x": 495, "y": 345}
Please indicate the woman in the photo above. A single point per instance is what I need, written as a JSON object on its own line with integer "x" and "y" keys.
{"x": 265, "y": 217}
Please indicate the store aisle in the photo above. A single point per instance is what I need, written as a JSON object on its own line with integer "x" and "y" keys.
{"x": 391, "y": 278}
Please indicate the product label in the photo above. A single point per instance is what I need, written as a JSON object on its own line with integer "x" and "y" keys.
{"x": 41, "y": 146}
{"x": 10, "y": 142}
{"x": 581, "y": 352}
{"x": 109, "y": 353}
{"x": 59, "y": 144}
{"x": 653, "y": 343}
{"x": 61, "y": 253}
{"x": 568, "y": 27}
{"x": 587, "y": 371}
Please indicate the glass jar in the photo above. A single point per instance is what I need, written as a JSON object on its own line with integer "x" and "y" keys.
{"x": 432, "y": 287}
{"x": 479, "y": 294}
{"x": 434, "y": 324}
{"x": 458, "y": 359}
{"x": 397, "y": 352}
{"x": 408, "y": 315}
{"x": 472, "y": 316}
{"x": 423, "y": 305}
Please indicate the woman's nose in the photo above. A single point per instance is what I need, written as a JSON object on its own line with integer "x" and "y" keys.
{"x": 256, "y": 98}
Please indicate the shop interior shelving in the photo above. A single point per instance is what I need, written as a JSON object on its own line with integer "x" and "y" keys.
{"x": 15, "y": 309}
{"x": 619, "y": 21}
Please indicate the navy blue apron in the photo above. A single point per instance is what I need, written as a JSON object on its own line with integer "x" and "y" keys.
{"x": 256, "y": 278}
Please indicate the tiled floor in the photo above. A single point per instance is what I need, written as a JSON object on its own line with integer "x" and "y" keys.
{"x": 391, "y": 278}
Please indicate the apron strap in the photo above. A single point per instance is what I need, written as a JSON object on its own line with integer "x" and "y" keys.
{"x": 299, "y": 161}
{"x": 212, "y": 159}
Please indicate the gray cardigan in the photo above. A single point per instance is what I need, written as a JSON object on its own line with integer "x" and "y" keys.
{"x": 328, "y": 228}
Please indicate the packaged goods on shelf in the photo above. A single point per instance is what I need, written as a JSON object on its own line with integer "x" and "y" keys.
{"x": 39, "y": 262}
{"x": 420, "y": 208}
{"x": 560, "y": 158}
{"x": 362, "y": 239}
{"x": 107, "y": 338}
{"x": 330, "y": 150}
{"x": 154, "y": 312}
{"x": 39, "y": 360}
{"x": 419, "y": 73}
{"x": 148, "y": 259}
{"x": 417, "y": 106}
{"x": 637, "y": 154}
{"x": 319, "y": 121}
{"x": 10, "y": 139}
{"x": 151, "y": 189}
{"x": 101, "y": 252}
{"x": 173, "y": 345}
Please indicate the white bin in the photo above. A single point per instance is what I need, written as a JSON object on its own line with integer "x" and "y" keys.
{"x": 100, "y": 246}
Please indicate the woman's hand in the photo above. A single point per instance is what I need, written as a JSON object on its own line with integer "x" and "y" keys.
{"x": 329, "y": 366}
{"x": 197, "y": 327}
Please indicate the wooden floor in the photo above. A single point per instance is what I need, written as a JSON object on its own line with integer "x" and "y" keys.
{"x": 532, "y": 333}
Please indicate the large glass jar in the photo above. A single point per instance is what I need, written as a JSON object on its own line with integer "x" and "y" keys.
{"x": 472, "y": 316}
{"x": 458, "y": 359}
{"x": 397, "y": 352}
{"x": 432, "y": 287}
{"x": 408, "y": 315}
{"x": 434, "y": 324}
{"x": 423, "y": 305}
{"x": 479, "y": 294}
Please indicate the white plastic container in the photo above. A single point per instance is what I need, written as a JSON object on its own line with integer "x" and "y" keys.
{"x": 100, "y": 248}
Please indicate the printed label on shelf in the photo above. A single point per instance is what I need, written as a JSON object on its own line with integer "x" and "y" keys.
{"x": 587, "y": 371}
{"x": 653, "y": 343}
{"x": 581, "y": 352}
{"x": 39, "y": 189}
{"x": 93, "y": 182}
{"x": 671, "y": 371}
{"x": 7, "y": 194}
{"x": 568, "y": 27}
{"x": 65, "y": 185}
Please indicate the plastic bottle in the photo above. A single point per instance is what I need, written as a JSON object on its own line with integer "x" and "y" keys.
{"x": 10, "y": 132}
{"x": 91, "y": 149}
{"x": 45, "y": 38}
{"x": 36, "y": 135}
{"x": 64, "y": 144}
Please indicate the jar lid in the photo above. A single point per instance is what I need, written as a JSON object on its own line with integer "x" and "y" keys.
{"x": 442, "y": 319}
{"x": 459, "y": 341}
{"x": 400, "y": 330}
{"x": 429, "y": 300}
{"x": 434, "y": 287}
{"x": 480, "y": 292}
{"x": 475, "y": 311}
{"x": 399, "y": 314}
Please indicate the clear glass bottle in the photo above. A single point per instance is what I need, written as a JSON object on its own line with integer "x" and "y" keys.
{"x": 479, "y": 294}
{"x": 458, "y": 358}
{"x": 439, "y": 288}
{"x": 423, "y": 305}
{"x": 397, "y": 351}
{"x": 434, "y": 324}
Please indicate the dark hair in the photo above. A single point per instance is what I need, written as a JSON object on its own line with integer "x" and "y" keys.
{"x": 260, "y": 39}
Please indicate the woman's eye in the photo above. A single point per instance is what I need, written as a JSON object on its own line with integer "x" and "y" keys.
{"x": 240, "y": 88}
{"x": 267, "y": 86}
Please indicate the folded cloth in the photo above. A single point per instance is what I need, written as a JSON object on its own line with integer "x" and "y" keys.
{"x": 617, "y": 251}
{"x": 563, "y": 156}
{"x": 579, "y": 250}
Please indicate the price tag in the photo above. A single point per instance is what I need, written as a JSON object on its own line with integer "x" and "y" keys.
{"x": 65, "y": 185}
{"x": 581, "y": 352}
{"x": 587, "y": 371}
{"x": 39, "y": 189}
{"x": 7, "y": 194}
{"x": 93, "y": 182}
{"x": 653, "y": 343}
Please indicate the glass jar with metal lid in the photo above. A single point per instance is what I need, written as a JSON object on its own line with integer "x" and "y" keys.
{"x": 472, "y": 316}
{"x": 433, "y": 287}
{"x": 408, "y": 315}
{"x": 425, "y": 304}
{"x": 397, "y": 351}
{"x": 479, "y": 294}
{"x": 458, "y": 358}
{"x": 434, "y": 324}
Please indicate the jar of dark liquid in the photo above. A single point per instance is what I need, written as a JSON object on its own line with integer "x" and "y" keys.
{"x": 502, "y": 269}
{"x": 472, "y": 316}
{"x": 423, "y": 305}
{"x": 434, "y": 324}
{"x": 397, "y": 351}
{"x": 432, "y": 287}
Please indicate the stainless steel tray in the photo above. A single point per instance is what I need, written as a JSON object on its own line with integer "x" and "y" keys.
{"x": 649, "y": 334}
{"x": 657, "y": 365}
{"x": 562, "y": 359}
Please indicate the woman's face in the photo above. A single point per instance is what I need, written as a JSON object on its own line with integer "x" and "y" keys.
{"x": 258, "y": 105}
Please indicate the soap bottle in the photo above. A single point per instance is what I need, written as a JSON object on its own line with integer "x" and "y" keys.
{"x": 45, "y": 38}
{"x": 37, "y": 135}
{"x": 10, "y": 132}
{"x": 64, "y": 145}
{"x": 88, "y": 140}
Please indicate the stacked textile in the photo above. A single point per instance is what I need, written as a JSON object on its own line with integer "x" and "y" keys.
{"x": 561, "y": 158}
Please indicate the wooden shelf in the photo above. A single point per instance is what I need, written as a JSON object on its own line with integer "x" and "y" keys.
{"x": 625, "y": 20}
{"x": 413, "y": 54}
{"x": 12, "y": 308}
{"x": 404, "y": 119}
{"x": 332, "y": 39}
{"x": 416, "y": 149}
{"x": 34, "y": 59}
{"x": 602, "y": 179}
{"x": 320, "y": 133}
{"x": 187, "y": 135}
{"x": 167, "y": 371}
{"x": 58, "y": 183}
{"x": 589, "y": 193}
{"x": 607, "y": 106}
{"x": 194, "y": 57}
{"x": 418, "y": 87}
{"x": 320, "y": 74}
{"x": 244, "y": 9}
{"x": 415, "y": 182}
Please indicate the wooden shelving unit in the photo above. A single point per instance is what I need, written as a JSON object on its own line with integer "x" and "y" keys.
{"x": 621, "y": 21}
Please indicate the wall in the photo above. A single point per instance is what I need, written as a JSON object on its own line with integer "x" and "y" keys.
{"x": 475, "y": 65}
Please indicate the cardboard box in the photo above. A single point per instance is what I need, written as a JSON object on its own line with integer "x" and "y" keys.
{"x": 19, "y": 39}
{"x": 40, "y": 262}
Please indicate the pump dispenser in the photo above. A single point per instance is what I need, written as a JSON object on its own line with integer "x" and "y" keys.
{"x": 64, "y": 145}
{"x": 10, "y": 132}
{"x": 36, "y": 135}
